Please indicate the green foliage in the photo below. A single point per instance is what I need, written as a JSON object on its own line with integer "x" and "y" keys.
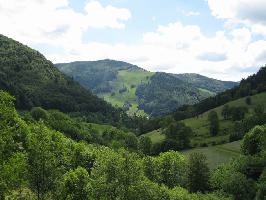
{"x": 262, "y": 186}
{"x": 226, "y": 112}
{"x": 214, "y": 123}
{"x": 259, "y": 109}
{"x": 197, "y": 173}
{"x": 44, "y": 159}
{"x": 168, "y": 168}
{"x": 233, "y": 183}
{"x": 177, "y": 137}
{"x": 145, "y": 145}
{"x": 254, "y": 141}
{"x": 38, "y": 113}
{"x": 76, "y": 185}
{"x": 116, "y": 176}
{"x": 248, "y": 100}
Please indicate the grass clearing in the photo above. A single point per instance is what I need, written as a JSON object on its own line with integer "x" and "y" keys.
{"x": 200, "y": 124}
{"x": 156, "y": 136}
{"x": 219, "y": 154}
{"x": 129, "y": 79}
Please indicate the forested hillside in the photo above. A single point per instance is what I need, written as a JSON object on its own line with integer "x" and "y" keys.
{"x": 206, "y": 83}
{"x": 34, "y": 81}
{"x": 38, "y": 162}
{"x": 141, "y": 92}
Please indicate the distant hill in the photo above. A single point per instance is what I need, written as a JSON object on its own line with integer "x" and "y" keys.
{"x": 139, "y": 91}
{"x": 206, "y": 83}
{"x": 34, "y": 81}
{"x": 252, "y": 85}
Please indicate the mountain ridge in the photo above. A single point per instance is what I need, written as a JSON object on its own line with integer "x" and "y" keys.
{"x": 123, "y": 85}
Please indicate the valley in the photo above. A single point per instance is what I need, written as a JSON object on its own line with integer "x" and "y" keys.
{"x": 111, "y": 130}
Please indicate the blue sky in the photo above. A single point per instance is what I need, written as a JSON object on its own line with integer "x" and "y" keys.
{"x": 146, "y": 16}
{"x": 223, "y": 39}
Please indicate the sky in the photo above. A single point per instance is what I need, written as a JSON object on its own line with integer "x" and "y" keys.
{"x": 222, "y": 39}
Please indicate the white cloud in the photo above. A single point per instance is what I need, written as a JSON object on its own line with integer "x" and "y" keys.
{"x": 175, "y": 47}
{"x": 246, "y": 12}
{"x": 178, "y": 48}
{"x": 55, "y": 22}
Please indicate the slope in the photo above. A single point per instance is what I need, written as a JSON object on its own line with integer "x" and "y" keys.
{"x": 200, "y": 124}
{"x": 141, "y": 92}
{"x": 34, "y": 81}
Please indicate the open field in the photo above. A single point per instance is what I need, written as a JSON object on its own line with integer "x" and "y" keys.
{"x": 219, "y": 154}
{"x": 200, "y": 124}
{"x": 128, "y": 79}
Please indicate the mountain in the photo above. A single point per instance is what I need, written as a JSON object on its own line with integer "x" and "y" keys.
{"x": 34, "y": 81}
{"x": 139, "y": 91}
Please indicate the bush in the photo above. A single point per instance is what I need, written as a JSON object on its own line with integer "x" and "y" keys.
{"x": 38, "y": 113}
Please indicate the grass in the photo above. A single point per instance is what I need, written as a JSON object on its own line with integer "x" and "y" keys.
{"x": 217, "y": 155}
{"x": 101, "y": 128}
{"x": 129, "y": 79}
{"x": 200, "y": 124}
{"x": 156, "y": 136}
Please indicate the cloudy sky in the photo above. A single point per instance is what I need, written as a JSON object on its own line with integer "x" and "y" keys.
{"x": 224, "y": 39}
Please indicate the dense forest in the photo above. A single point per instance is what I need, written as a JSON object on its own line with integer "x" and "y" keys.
{"x": 141, "y": 92}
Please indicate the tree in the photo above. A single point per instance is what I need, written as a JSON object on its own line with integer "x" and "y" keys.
{"x": 259, "y": 110}
{"x": 171, "y": 169}
{"x": 44, "y": 164}
{"x": 116, "y": 175}
{"x": 14, "y": 172}
{"x": 261, "y": 194}
{"x": 231, "y": 182}
{"x": 145, "y": 145}
{"x": 248, "y": 100}
{"x": 226, "y": 112}
{"x": 38, "y": 113}
{"x": 214, "y": 123}
{"x": 177, "y": 136}
{"x": 131, "y": 141}
{"x": 238, "y": 113}
{"x": 254, "y": 141}
{"x": 197, "y": 173}
{"x": 76, "y": 185}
